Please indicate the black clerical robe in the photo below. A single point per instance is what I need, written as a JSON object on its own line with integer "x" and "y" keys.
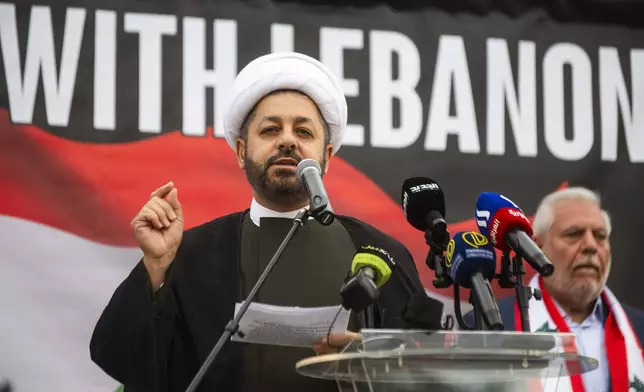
{"x": 156, "y": 342}
{"x": 307, "y": 275}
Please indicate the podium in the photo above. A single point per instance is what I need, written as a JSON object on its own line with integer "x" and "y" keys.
{"x": 418, "y": 360}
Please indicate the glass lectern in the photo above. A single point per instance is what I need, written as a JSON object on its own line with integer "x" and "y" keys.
{"x": 416, "y": 360}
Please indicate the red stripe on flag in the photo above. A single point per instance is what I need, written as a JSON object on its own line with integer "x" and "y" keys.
{"x": 94, "y": 190}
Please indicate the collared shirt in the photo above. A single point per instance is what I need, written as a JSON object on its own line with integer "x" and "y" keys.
{"x": 258, "y": 211}
{"x": 590, "y": 342}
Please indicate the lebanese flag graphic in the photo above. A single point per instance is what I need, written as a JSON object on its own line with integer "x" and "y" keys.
{"x": 66, "y": 240}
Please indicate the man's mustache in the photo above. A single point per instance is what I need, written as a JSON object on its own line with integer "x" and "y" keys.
{"x": 587, "y": 263}
{"x": 283, "y": 154}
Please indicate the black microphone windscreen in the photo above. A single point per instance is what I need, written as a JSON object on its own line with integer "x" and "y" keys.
{"x": 420, "y": 195}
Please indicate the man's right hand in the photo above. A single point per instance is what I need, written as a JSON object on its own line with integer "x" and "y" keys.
{"x": 158, "y": 229}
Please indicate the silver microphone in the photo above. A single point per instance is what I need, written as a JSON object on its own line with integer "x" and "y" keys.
{"x": 310, "y": 174}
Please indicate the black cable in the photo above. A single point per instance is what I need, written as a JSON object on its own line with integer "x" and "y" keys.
{"x": 328, "y": 333}
{"x": 457, "y": 310}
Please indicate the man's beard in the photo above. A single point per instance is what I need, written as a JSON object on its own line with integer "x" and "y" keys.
{"x": 283, "y": 187}
{"x": 578, "y": 292}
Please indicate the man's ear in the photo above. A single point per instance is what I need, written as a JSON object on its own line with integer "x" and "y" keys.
{"x": 240, "y": 151}
{"x": 328, "y": 153}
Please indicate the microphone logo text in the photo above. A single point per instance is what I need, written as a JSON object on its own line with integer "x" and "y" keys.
{"x": 518, "y": 214}
{"x": 482, "y": 217}
{"x": 405, "y": 202}
{"x": 449, "y": 252}
{"x": 423, "y": 187}
{"x": 381, "y": 251}
{"x": 474, "y": 239}
{"x": 494, "y": 230}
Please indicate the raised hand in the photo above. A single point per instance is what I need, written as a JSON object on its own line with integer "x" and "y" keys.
{"x": 158, "y": 229}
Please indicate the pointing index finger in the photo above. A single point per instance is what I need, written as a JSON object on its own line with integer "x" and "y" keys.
{"x": 163, "y": 191}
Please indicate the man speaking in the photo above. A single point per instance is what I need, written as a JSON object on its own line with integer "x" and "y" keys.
{"x": 164, "y": 319}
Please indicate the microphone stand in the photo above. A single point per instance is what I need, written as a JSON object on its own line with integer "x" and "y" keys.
{"x": 360, "y": 295}
{"x": 479, "y": 322}
{"x": 437, "y": 237}
{"x": 437, "y": 241}
{"x": 369, "y": 317}
{"x": 512, "y": 271}
{"x": 233, "y": 325}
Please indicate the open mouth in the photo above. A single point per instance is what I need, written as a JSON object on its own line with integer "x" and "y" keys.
{"x": 285, "y": 162}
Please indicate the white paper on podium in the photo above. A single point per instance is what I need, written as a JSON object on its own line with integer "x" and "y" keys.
{"x": 289, "y": 326}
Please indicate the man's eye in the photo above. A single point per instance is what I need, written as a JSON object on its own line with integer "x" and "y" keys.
{"x": 304, "y": 131}
{"x": 270, "y": 129}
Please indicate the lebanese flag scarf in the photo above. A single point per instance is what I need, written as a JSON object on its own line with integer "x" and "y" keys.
{"x": 623, "y": 350}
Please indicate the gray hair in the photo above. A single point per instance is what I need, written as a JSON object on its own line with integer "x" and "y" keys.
{"x": 544, "y": 216}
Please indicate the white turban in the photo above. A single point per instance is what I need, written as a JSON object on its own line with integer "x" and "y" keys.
{"x": 281, "y": 71}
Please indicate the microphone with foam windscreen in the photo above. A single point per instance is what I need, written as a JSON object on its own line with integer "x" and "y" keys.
{"x": 371, "y": 268}
{"x": 471, "y": 263}
{"x": 506, "y": 226}
{"x": 423, "y": 204}
{"x": 310, "y": 174}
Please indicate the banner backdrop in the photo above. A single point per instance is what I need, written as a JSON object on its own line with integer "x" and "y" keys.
{"x": 102, "y": 102}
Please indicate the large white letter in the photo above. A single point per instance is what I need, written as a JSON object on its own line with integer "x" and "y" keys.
{"x": 151, "y": 29}
{"x": 613, "y": 93}
{"x": 282, "y": 37}
{"x": 451, "y": 64}
{"x": 383, "y": 45}
{"x": 196, "y": 78}
{"x": 105, "y": 70}
{"x": 555, "y": 59}
{"x": 501, "y": 92}
{"x": 333, "y": 42}
{"x": 40, "y": 58}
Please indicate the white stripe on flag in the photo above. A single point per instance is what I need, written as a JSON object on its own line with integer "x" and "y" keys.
{"x": 53, "y": 288}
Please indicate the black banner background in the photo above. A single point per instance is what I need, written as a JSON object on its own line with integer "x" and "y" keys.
{"x": 462, "y": 175}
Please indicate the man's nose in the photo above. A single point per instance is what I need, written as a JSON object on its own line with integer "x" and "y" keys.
{"x": 589, "y": 244}
{"x": 287, "y": 140}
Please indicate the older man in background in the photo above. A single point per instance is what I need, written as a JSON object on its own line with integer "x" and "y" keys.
{"x": 574, "y": 233}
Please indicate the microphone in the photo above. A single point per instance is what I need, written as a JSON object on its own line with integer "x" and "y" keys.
{"x": 423, "y": 205}
{"x": 371, "y": 269}
{"x": 506, "y": 226}
{"x": 369, "y": 272}
{"x": 471, "y": 263}
{"x": 310, "y": 174}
